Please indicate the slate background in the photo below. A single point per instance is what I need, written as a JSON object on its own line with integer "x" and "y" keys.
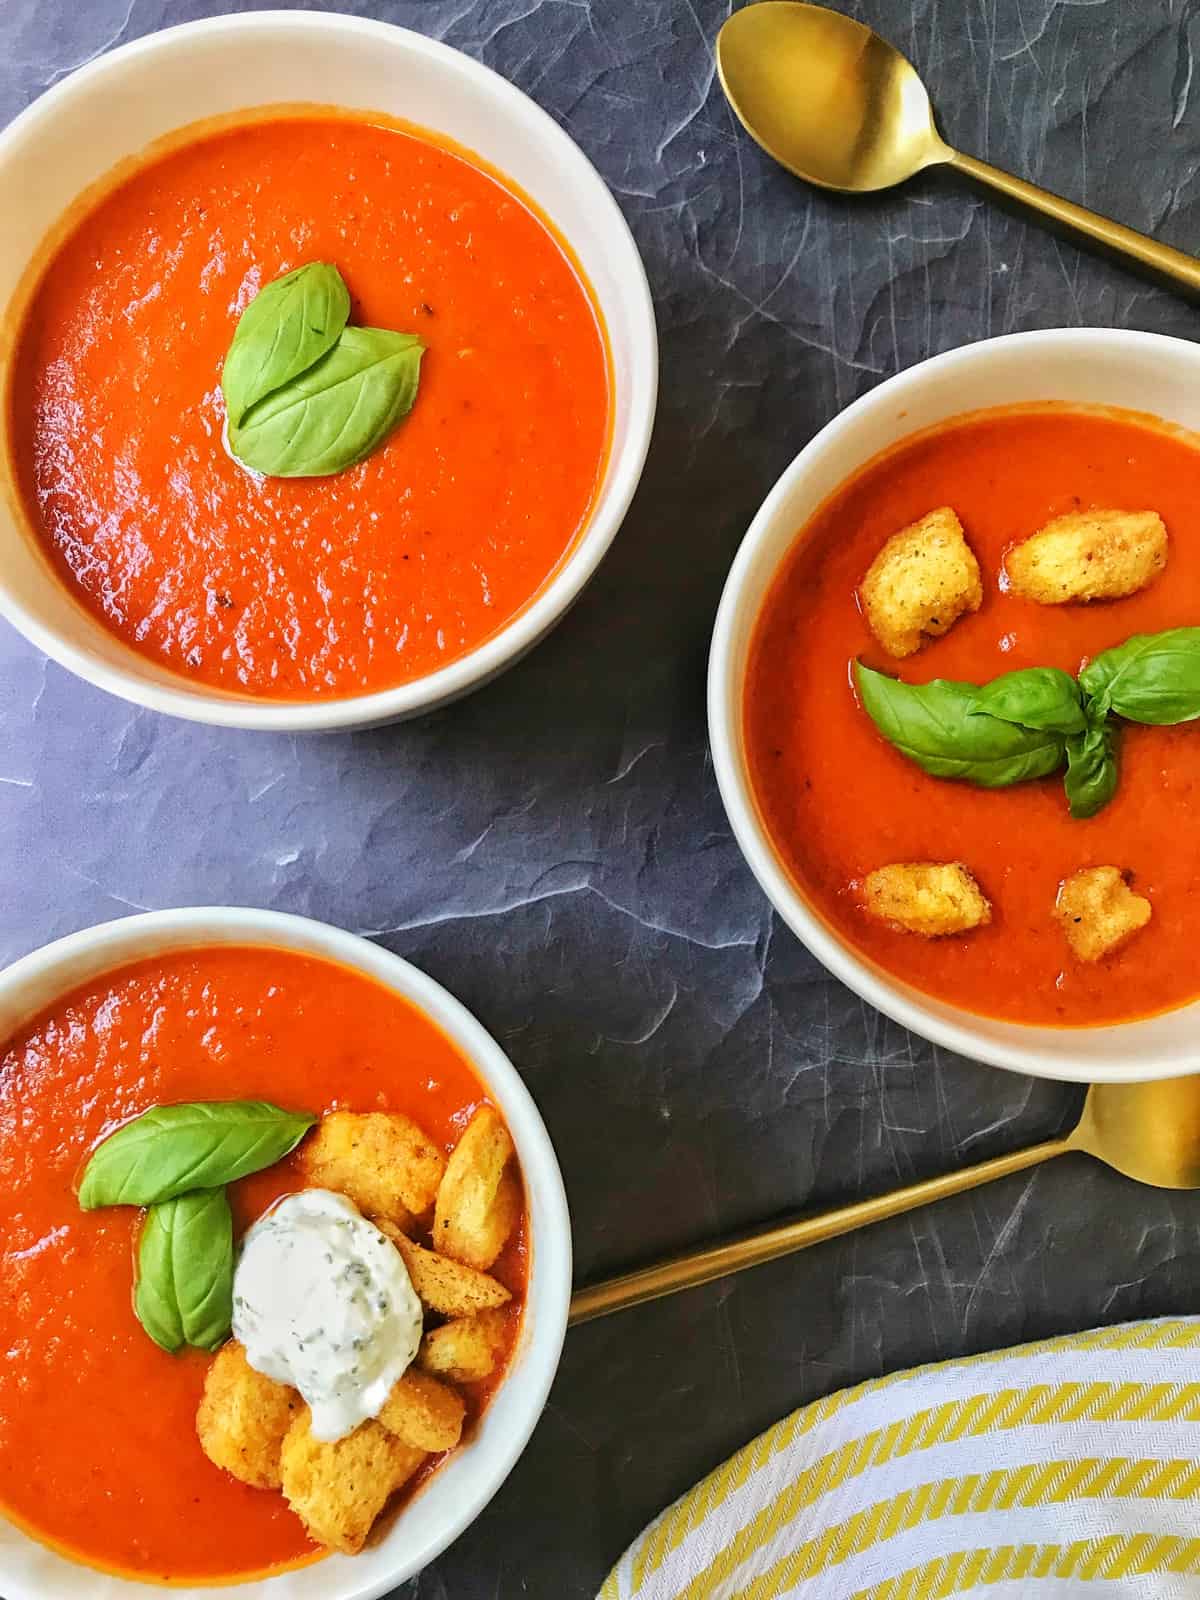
{"x": 554, "y": 849}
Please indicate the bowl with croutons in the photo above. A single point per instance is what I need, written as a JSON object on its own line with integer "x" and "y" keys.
{"x": 954, "y": 700}
{"x": 289, "y": 1256}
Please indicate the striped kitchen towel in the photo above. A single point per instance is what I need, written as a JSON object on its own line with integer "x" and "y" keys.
{"x": 1069, "y": 1468}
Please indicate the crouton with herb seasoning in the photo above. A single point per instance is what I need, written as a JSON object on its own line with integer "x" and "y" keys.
{"x": 921, "y": 582}
{"x": 466, "y": 1350}
{"x": 338, "y": 1488}
{"x": 243, "y": 1418}
{"x": 932, "y": 898}
{"x": 448, "y": 1287}
{"x": 424, "y": 1413}
{"x": 479, "y": 1200}
{"x": 1088, "y": 555}
{"x": 1099, "y": 911}
{"x": 381, "y": 1160}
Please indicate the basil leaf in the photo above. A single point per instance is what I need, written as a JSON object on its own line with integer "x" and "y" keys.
{"x": 937, "y": 725}
{"x": 184, "y": 1292}
{"x": 1035, "y": 697}
{"x": 200, "y": 1145}
{"x": 286, "y": 328}
{"x": 1152, "y": 677}
{"x": 333, "y": 415}
{"x": 1092, "y": 772}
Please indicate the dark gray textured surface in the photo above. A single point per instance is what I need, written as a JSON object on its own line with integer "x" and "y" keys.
{"x": 554, "y": 849}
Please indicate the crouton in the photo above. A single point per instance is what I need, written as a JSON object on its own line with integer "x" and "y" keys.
{"x": 243, "y": 1417}
{"x": 932, "y": 898}
{"x": 921, "y": 582}
{"x": 424, "y": 1413}
{"x": 382, "y": 1161}
{"x": 1099, "y": 911}
{"x": 338, "y": 1489}
{"x": 443, "y": 1285}
{"x": 466, "y": 1350}
{"x": 479, "y": 1200}
{"x": 1089, "y": 555}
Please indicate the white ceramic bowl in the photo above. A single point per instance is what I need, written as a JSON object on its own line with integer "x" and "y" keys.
{"x": 1082, "y": 366}
{"x": 460, "y": 1489}
{"x": 116, "y": 105}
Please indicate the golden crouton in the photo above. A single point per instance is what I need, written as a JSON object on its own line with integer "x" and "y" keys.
{"x": 380, "y": 1160}
{"x": 424, "y": 1413}
{"x": 1099, "y": 911}
{"x": 338, "y": 1489}
{"x": 927, "y": 897}
{"x": 479, "y": 1201}
{"x": 466, "y": 1350}
{"x": 921, "y": 582}
{"x": 443, "y": 1285}
{"x": 1089, "y": 555}
{"x": 243, "y": 1417}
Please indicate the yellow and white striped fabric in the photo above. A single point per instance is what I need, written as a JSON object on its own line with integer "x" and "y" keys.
{"x": 1069, "y": 1468}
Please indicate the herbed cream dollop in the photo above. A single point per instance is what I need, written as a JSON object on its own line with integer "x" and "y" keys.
{"x": 322, "y": 1301}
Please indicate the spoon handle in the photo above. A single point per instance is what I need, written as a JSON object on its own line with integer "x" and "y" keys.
{"x": 767, "y": 1244}
{"x": 1182, "y": 269}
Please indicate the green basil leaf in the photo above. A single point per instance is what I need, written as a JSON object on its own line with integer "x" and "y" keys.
{"x": 199, "y": 1145}
{"x": 937, "y": 725}
{"x": 287, "y": 327}
{"x": 1092, "y": 771}
{"x": 337, "y": 412}
{"x": 184, "y": 1291}
{"x": 1152, "y": 677}
{"x": 1035, "y": 697}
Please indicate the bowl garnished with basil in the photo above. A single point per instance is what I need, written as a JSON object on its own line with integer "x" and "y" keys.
{"x": 969, "y": 712}
{"x": 315, "y": 1288}
{"x": 456, "y": 216}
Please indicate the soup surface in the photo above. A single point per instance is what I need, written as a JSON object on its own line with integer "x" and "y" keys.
{"x": 839, "y": 801}
{"x": 98, "y": 1446}
{"x": 308, "y": 588}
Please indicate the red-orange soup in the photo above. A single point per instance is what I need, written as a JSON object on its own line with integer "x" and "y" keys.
{"x": 98, "y": 1448}
{"x": 308, "y": 588}
{"x": 839, "y": 801}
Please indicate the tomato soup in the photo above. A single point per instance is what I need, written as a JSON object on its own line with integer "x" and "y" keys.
{"x": 320, "y": 587}
{"x": 839, "y": 801}
{"x": 98, "y": 1447}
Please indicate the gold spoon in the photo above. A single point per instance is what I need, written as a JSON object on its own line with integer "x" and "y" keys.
{"x": 840, "y": 107}
{"x": 1148, "y": 1131}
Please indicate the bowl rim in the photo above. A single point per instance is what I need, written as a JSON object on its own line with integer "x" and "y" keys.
{"x": 950, "y": 1027}
{"x": 550, "y": 1271}
{"x": 623, "y": 467}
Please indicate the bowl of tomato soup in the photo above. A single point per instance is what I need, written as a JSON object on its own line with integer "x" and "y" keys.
{"x": 1010, "y": 434}
{"x": 153, "y": 194}
{"x": 104, "y": 1486}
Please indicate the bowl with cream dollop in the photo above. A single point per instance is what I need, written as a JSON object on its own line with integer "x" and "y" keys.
{"x": 337, "y": 1281}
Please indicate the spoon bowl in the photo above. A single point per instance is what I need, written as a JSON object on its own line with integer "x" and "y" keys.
{"x": 827, "y": 97}
{"x": 1147, "y": 1131}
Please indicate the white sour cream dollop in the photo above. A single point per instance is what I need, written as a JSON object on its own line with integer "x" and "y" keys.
{"x": 323, "y": 1301}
